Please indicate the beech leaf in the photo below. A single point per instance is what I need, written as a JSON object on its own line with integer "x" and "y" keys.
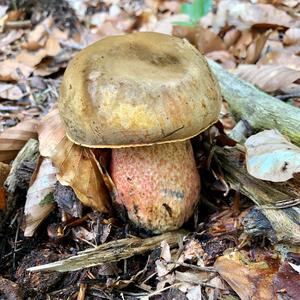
{"x": 77, "y": 165}
{"x": 39, "y": 200}
{"x": 13, "y": 139}
{"x": 249, "y": 279}
{"x": 271, "y": 156}
{"x": 268, "y": 77}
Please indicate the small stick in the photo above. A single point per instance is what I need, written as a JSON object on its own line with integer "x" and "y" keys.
{"x": 111, "y": 252}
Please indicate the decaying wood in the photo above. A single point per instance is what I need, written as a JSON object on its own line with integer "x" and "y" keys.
{"x": 18, "y": 179}
{"x": 111, "y": 252}
{"x": 275, "y": 217}
{"x": 261, "y": 110}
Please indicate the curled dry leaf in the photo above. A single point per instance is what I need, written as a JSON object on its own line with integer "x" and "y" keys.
{"x": 270, "y": 156}
{"x": 254, "y": 50}
{"x": 249, "y": 279}
{"x": 10, "y": 91}
{"x": 239, "y": 49}
{"x": 77, "y": 165}
{"x": 269, "y": 78}
{"x": 243, "y": 15}
{"x": 13, "y": 139}
{"x": 12, "y": 70}
{"x": 204, "y": 39}
{"x": 39, "y": 200}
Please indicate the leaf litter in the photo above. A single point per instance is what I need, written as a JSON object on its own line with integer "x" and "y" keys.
{"x": 259, "y": 41}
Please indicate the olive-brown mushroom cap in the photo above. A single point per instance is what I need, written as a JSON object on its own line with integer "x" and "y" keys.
{"x": 138, "y": 89}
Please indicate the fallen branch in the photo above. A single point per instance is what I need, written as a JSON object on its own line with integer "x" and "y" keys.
{"x": 258, "y": 108}
{"x": 111, "y": 252}
{"x": 269, "y": 219}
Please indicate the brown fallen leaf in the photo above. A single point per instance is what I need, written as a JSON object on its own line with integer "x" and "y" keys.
{"x": 37, "y": 37}
{"x": 39, "y": 199}
{"x": 281, "y": 58}
{"x": 250, "y": 279}
{"x": 10, "y": 91}
{"x": 204, "y": 39}
{"x": 287, "y": 280}
{"x": 243, "y": 15}
{"x": 269, "y": 78}
{"x": 52, "y": 47}
{"x": 77, "y": 165}
{"x": 231, "y": 37}
{"x": 4, "y": 171}
{"x": 292, "y": 36}
{"x": 13, "y": 139}
{"x": 255, "y": 48}
{"x": 239, "y": 48}
{"x": 12, "y": 70}
{"x": 31, "y": 59}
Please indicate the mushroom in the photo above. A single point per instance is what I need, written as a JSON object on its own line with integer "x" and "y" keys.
{"x": 144, "y": 95}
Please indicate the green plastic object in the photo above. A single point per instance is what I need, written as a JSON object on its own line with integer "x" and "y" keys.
{"x": 195, "y": 10}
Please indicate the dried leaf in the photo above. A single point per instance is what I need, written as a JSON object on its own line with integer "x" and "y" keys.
{"x": 239, "y": 49}
{"x": 13, "y": 139}
{"x": 204, "y": 39}
{"x": 3, "y": 9}
{"x": 192, "y": 252}
{"x": 52, "y": 47}
{"x": 10, "y": 37}
{"x": 165, "y": 253}
{"x": 2, "y": 199}
{"x": 224, "y": 58}
{"x": 194, "y": 293}
{"x": 292, "y": 36}
{"x": 4, "y": 171}
{"x": 31, "y": 59}
{"x": 270, "y": 156}
{"x": 269, "y": 78}
{"x": 76, "y": 165}
{"x": 231, "y": 37}
{"x": 39, "y": 200}
{"x": 243, "y": 15}
{"x": 38, "y": 36}
{"x": 281, "y": 58}
{"x": 10, "y": 91}
{"x": 295, "y": 267}
{"x": 255, "y": 49}
{"x": 287, "y": 280}
{"x": 249, "y": 279}
{"x": 12, "y": 70}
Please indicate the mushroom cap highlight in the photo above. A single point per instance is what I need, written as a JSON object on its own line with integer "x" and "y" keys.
{"x": 138, "y": 89}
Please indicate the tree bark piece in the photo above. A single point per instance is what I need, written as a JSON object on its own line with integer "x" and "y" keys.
{"x": 258, "y": 108}
{"x": 17, "y": 182}
{"x": 270, "y": 218}
{"x": 111, "y": 252}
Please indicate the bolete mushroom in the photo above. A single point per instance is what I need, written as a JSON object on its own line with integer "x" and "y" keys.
{"x": 144, "y": 95}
